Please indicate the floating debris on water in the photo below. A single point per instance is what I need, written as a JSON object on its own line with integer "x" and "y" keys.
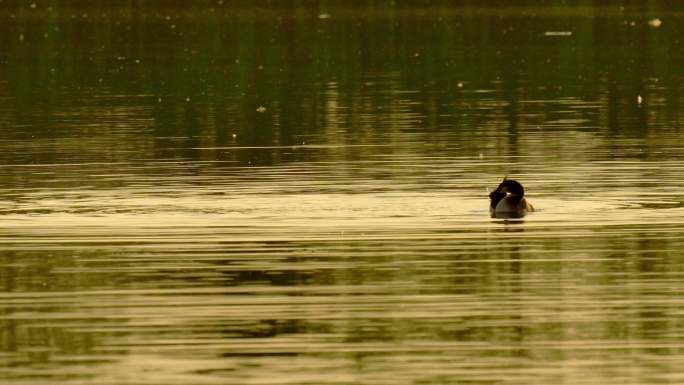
{"x": 558, "y": 33}
{"x": 324, "y": 16}
{"x": 261, "y": 109}
{"x": 639, "y": 99}
{"x": 655, "y": 23}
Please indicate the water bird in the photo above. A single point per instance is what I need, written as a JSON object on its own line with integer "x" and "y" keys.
{"x": 508, "y": 200}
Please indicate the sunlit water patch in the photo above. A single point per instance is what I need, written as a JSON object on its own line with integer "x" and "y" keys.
{"x": 223, "y": 272}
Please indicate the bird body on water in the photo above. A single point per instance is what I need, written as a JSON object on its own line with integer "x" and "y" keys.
{"x": 508, "y": 200}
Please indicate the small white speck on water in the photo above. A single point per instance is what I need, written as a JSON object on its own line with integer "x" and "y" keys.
{"x": 639, "y": 99}
{"x": 655, "y": 23}
{"x": 187, "y": 99}
{"x": 261, "y": 109}
{"x": 234, "y": 136}
{"x": 459, "y": 84}
{"x": 558, "y": 33}
{"x": 21, "y": 37}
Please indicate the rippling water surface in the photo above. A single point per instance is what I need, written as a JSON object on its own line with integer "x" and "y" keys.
{"x": 299, "y": 195}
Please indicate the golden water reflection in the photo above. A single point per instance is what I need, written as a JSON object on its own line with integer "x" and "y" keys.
{"x": 198, "y": 199}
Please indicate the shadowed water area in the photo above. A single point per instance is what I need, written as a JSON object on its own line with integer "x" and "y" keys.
{"x": 297, "y": 194}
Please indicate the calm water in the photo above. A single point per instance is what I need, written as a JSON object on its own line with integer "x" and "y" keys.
{"x": 258, "y": 195}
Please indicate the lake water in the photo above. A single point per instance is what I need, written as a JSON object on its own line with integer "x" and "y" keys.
{"x": 236, "y": 194}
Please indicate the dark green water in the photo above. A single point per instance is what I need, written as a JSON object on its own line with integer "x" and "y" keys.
{"x": 297, "y": 194}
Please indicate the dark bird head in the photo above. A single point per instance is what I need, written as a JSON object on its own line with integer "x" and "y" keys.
{"x": 512, "y": 187}
{"x": 507, "y": 187}
{"x": 495, "y": 197}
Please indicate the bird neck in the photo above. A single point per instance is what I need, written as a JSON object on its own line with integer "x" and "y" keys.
{"x": 514, "y": 198}
{"x": 495, "y": 197}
